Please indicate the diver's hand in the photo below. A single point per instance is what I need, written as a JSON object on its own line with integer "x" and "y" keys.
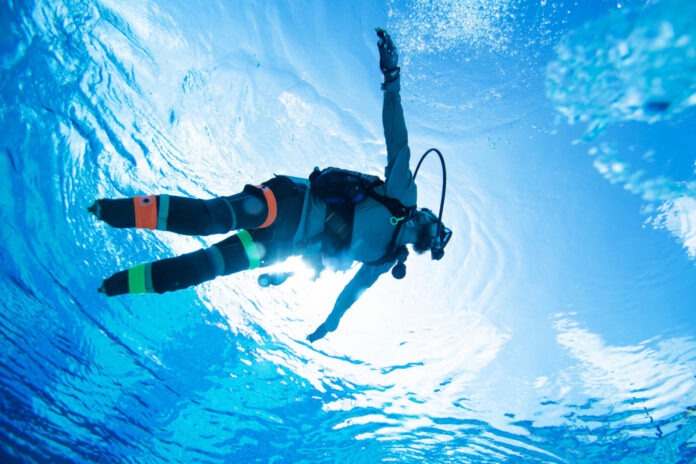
{"x": 317, "y": 334}
{"x": 388, "y": 56}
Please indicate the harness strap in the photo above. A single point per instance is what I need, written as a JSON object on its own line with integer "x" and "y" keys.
{"x": 271, "y": 204}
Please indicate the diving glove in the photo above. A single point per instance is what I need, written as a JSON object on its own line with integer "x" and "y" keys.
{"x": 388, "y": 56}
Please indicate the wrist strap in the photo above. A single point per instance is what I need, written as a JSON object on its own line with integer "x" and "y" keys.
{"x": 390, "y": 75}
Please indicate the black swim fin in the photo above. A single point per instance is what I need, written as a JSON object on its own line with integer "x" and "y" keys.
{"x": 95, "y": 209}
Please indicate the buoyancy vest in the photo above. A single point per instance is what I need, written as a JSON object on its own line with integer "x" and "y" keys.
{"x": 342, "y": 190}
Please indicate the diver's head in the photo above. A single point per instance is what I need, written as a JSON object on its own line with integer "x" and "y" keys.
{"x": 425, "y": 224}
{"x": 430, "y": 234}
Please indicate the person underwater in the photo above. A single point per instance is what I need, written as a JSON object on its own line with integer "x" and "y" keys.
{"x": 333, "y": 218}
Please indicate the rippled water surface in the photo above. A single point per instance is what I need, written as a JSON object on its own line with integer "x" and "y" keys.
{"x": 558, "y": 328}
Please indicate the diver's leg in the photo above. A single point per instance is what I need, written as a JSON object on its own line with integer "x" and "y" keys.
{"x": 236, "y": 253}
{"x": 161, "y": 276}
{"x": 188, "y": 216}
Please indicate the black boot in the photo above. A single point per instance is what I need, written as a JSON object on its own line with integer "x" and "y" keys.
{"x": 117, "y": 284}
{"x": 95, "y": 209}
{"x": 117, "y": 213}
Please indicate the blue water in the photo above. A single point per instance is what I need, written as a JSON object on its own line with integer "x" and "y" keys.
{"x": 559, "y": 327}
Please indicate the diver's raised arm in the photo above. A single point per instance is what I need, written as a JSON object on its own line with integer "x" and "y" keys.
{"x": 398, "y": 177}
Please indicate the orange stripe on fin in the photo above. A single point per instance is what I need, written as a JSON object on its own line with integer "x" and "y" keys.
{"x": 145, "y": 212}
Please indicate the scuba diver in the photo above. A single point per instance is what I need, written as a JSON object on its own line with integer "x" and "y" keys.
{"x": 332, "y": 219}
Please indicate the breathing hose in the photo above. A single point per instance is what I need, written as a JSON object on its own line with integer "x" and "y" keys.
{"x": 444, "y": 182}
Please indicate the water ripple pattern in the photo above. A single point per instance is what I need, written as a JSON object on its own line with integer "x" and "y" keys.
{"x": 635, "y": 66}
{"x": 526, "y": 343}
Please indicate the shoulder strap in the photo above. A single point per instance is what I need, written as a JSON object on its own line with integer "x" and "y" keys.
{"x": 400, "y": 213}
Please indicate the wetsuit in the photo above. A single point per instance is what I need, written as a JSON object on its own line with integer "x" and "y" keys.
{"x": 275, "y": 220}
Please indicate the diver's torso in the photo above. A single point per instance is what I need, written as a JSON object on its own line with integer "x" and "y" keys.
{"x": 372, "y": 231}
